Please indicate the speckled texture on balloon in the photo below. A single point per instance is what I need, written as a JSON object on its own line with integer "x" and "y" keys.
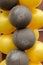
{"x": 20, "y": 16}
{"x": 17, "y": 57}
{"x": 24, "y": 39}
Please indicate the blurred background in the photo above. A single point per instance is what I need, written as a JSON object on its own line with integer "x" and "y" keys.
{"x": 41, "y": 30}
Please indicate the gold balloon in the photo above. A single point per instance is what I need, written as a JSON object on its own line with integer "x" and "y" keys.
{"x": 5, "y": 25}
{"x": 3, "y": 62}
{"x": 36, "y": 32}
{"x": 30, "y": 3}
{"x": 6, "y": 44}
{"x": 37, "y": 19}
{"x": 32, "y": 63}
{"x": 36, "y": 52}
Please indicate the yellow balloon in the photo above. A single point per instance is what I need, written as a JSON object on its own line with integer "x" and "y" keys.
{"x": 36, "y": 52}
{"x": 30, "y": 3}
{"x": 37, "y": 19}
{"x": 5, "y": 25}
{"x": 32, "y": 63}
{"x": 6, "y": 44}
{"x": 36, "y": 32}
{"x": 3, "y": 62}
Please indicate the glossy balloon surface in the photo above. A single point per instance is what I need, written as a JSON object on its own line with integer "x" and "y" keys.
{"x": 5, "y": 26}
{"x": 32, "y": 63}
{"x": 36, "y": 52}
{"x": 37, "y": 19}
{"x": 3, "y": 62}
{"x": 36, "y": 32}
{"x": 30, "y": 3}
{"x": 6, "y": 44}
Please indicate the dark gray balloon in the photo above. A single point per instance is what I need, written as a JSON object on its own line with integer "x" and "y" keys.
{"x": 20, "y": 16}
{"x": 8, "y": 4}
{"x": 24, "y": 39}
{"x": 17, "y": 57}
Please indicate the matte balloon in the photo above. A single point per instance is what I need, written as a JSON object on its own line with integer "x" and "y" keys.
{"x": 17, "y": 57}
{"x": 32, "y": 63}
{"x": 5, "y": 26}
{"x": 6, "y": 44}
{"x": 20, "y": 16}
{"x": 36, "y": 52}
{"x": 24, "y": 39}
{"x": 8, "y": 4}
{"x": 37, "y": 19}
{"x": 30, "y": 3}
{"x": 36, "y": 32}
{"x": 3, "y": 62}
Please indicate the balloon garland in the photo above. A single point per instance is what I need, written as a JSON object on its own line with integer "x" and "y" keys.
{"x": 19, "y": 24}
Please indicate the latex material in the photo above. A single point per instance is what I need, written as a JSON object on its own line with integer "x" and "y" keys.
{"x": 30, "y": 3}
{"x": 32, "y": 63}
{"x": 6, "y": 44}
{"x": 5, "y": 26}
{"x": 36, "y": 52}
{"x": 37, "y": 19}
{"x": 3, "y": 62}
{"x": 36, "y": 32}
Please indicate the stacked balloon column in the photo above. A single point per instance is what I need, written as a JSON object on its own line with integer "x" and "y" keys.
{"x": 19, "y": 24}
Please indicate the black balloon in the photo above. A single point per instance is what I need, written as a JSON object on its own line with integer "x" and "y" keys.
{"x": 17, "y": 57}
{"x": 8, "y": 4}
{"x": 24, "y": 39}
{"x": 20, "y": 16}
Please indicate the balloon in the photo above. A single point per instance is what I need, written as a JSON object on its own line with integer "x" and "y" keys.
{"x": 30, "y": 3}
{"x": 32, "y": 63}
{"x": 18, "y": 19}
{"x": 17, "y": 57}
{"x": 8, "y": 4}
{"x": 5, "y": 26}
{"x": 6, "y": 44}
{"x": 3, "y": 62}
{"x": 37, "y": 19}
{"x": 24, "y": 39}
{"x": 36, "y": 52}
{"x": 36, "y": 32}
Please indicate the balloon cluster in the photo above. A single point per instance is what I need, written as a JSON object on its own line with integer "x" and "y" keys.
{"x": 19, "y": 23}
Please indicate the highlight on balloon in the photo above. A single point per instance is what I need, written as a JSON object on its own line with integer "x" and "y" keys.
{"x": 20, "y": 21}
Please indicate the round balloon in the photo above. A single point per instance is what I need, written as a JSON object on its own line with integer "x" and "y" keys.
{"x": 8, "y": 4}
{"x": 36, "y": 52}
{"x": 37, "y": 19}
{"x": 32, "y": 63}
{"x": 24, "y": 39}
{"x": 5, "y": 26}
{"x": 3, "y": 62}
{"x": 36, "y": 32}
{"x": 30, "y": 3}
{"x": 18, "y": 19}
{"x": 6, "y": 44}
{"x": 17, "y": 57}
